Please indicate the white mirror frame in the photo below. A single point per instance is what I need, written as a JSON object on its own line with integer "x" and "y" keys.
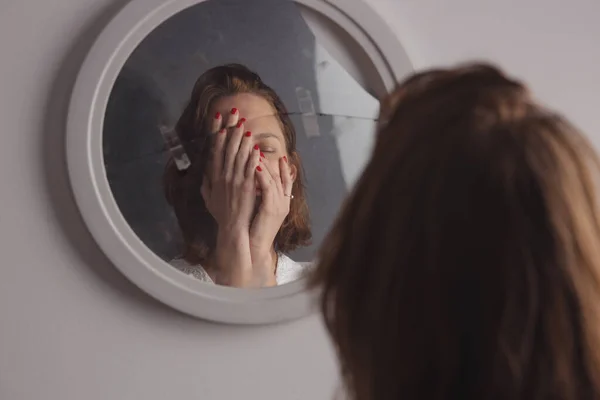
{"x": 93, "y": 194}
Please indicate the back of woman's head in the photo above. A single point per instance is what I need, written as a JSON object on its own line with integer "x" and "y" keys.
{"x": 465, "y": 264}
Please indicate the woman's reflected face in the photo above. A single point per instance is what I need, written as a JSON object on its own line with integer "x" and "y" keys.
{"x": 261, "y": 120}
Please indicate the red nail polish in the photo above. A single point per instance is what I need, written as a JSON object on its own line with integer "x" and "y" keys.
{"x": 258, "y": 168}
{"x": 262, "y": 155}
{"x": 233, "y": 110}
{"x": 243, "y": 120}
{"x": 239, "y": 125}
{"x": 217, "y": 115}
{"x": 285, "y": 158}
{"x": 256, "y": 147}
{"x": 222, "y": 131}
{"x": 248, "y": 134}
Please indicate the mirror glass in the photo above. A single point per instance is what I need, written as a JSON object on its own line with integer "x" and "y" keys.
{"x": 234, "y": 132}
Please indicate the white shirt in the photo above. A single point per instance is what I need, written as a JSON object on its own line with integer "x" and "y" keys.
{"x": 288, "y": 270}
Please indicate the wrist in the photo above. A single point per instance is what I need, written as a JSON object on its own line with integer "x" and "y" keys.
{"x": 233, "y": 259}
{"x": 261, "y": 244}
{"x": 232, "y": 236}
{"x": 264, "y": 268}
{"x": 262, "y": 257}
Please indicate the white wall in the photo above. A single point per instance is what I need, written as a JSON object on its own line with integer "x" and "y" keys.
{"x": 72, "y": 328}
{"x": 552, "y": 44}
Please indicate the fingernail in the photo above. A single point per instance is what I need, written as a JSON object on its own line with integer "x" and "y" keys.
{"x": 262, "y": 155}
{"x": 256, "y": 147}
{"x": 239, "y": 125}
{"x": 243, "y": 120}
{"x": 248, "y": 134}
{"x": 285, "y": 158}
{"x": 258, "y": 168}
{"x": 217, "y": 115}
{"x": 233, "y": 110}
{"x": 223, "y": 131}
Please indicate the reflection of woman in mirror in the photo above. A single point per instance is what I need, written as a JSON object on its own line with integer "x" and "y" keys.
{"x": 241, "y": 204}
{"x": 478, "y": 218}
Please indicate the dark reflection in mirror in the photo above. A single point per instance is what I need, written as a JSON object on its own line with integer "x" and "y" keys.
{"x": 270, "y": 37}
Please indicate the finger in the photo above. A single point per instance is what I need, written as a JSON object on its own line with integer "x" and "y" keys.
{"x": 232, "y": 118}
{"x": 233, "y": 147}
{"x": 216, "y": 123}
{"x": 265, "y": 180}
{"x": 275, "y": 176}
{"x": 241, "y": 159}
{"x": 218, "y": 154}
{"x": 253, "y": 162}
{"x": 286, "y": 176}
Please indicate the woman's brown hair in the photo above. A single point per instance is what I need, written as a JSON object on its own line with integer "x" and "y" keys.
{"x": 465, "y": 263}
{"x": 182, "y": 188}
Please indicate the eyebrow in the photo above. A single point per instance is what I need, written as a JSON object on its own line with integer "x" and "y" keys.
{"x": 265, "y": 135}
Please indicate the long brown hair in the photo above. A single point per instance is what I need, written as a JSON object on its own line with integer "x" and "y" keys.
{"x": 182, "y": 188}
{"x": 465, "y": 263}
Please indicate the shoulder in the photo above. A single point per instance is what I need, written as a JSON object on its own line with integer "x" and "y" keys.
{"x": 289, "y": 270}
{"x": 193, "y": 270}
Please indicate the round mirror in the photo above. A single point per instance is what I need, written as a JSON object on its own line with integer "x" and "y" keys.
{"x": 212, "y": 144}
